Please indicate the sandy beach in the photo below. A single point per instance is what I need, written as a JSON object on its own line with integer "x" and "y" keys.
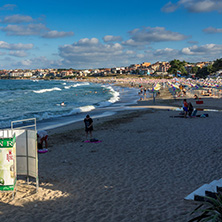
{"x": 145, "y": 166}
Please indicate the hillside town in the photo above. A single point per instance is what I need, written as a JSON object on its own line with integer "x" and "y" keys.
{"x": 158, "y": 69}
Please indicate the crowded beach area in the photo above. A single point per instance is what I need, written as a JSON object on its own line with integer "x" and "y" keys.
{"x": 150, "y": 157}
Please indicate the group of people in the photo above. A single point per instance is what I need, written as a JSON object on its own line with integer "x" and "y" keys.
{"x": 207, "y": 93}
{"x": 142, "y": 94}
{"x": 187, "y": 108}
{"x": 42, "y": 135}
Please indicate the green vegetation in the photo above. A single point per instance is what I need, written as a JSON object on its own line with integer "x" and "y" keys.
{"x": 177, "y": 65}
{"x": 217, "y": 65}
{"x": 211, "y": 210}
{"x": 195, "y": 69}
{"x": 205, "y": 71}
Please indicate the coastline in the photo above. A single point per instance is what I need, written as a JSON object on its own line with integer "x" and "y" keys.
{"x": 145, "y": 165}
{"x": 128, "y": 96}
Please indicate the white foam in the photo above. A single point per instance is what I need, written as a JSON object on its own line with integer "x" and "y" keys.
{"x": 76, "y": 85}
{"x": 115, "y": 97}
{"x": 82, "y": 109}
{"x": 47, "y": 90}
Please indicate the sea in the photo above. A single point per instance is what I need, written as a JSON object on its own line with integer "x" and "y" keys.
{"x": 42, "y": 99}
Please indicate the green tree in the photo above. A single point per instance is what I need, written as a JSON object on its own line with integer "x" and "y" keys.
{"x": 195, "y": 69}
{"x": 177, "y": 65}
{"x": 217, "y": 65}
{"x": 205, "y": 71}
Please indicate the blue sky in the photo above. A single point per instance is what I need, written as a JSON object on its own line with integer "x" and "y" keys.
{"x": 95, "y": 34}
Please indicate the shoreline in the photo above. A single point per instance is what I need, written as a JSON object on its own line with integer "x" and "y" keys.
{"x": 164, "y": 101}
{"x": 145, "y": 166}
{"x": 98, "y": 112}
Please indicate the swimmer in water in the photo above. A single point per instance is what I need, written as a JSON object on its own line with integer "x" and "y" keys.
{"x": 62, "y": 104}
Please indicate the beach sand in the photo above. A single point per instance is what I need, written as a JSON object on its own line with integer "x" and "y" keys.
{"x": 145, "y": 165}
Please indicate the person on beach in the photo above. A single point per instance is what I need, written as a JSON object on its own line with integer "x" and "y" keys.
{"x": 190, "y": 109}
{"x": 42, "y": 137}
{"x": 88, "y": 126}
{"x": 195, "y": 96}
{"x": 185, "y": 107}
{"x": 141, "y": 94}
{"x": 144, "y": 93}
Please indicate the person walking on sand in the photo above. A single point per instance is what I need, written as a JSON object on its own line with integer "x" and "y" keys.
{"x": 88, "y": 126}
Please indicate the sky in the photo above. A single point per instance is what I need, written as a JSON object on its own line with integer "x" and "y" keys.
{"x": 103, "y": 34}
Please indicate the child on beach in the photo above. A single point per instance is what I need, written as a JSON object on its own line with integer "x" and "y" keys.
{"x": 185, "y": 107}
{"x": 88, "y": 126}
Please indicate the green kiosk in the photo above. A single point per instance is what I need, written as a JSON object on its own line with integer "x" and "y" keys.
{"x": 8, "y": 164}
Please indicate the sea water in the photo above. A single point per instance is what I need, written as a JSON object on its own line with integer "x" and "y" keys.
{"x": 40, "y": 99}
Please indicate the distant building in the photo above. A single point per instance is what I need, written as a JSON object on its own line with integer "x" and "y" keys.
{"x": 66, "y": 73}
{"x": 16, "y": 74}
{"x": 27, "y": 74}
{"x": 164, "y": 66}
{"x": 145, "y": 64}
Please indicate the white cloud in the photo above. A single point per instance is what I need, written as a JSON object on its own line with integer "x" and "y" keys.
{"x": 165, "y": 52}
{"x": 192, "y": 42}
{"x": 8, "y": 7}
{"x": 17, "y": 19}
{"x": 111, "y": 38}
{"x": 90, "y": 49}
{"x": 133, "y": 43}
{"x": 18, "y": 46}
{"x": 196, "y": 6}
{"x": 141, "y": 56}
{"x": 208, "y": 49}
{"x": 91, "y": 53}
{"x": 18, "y": 53}
{"x": 87, "y": 42}
{"x": 149, "y": 35}
{"x": 56, "y": 34}
{"x": 26, "y": 62}
{"x": 212, "y": 30}
{"x": 130, "y": 52}
{"x": 170, "y": 7}
{"x": 24, "y": 30}
{"x": 38, "y": 62}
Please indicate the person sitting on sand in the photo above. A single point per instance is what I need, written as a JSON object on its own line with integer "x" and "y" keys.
{"x": 195, "y": 96}
{"x": 88, "y": 126}
{"x": 42, "y": 136}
